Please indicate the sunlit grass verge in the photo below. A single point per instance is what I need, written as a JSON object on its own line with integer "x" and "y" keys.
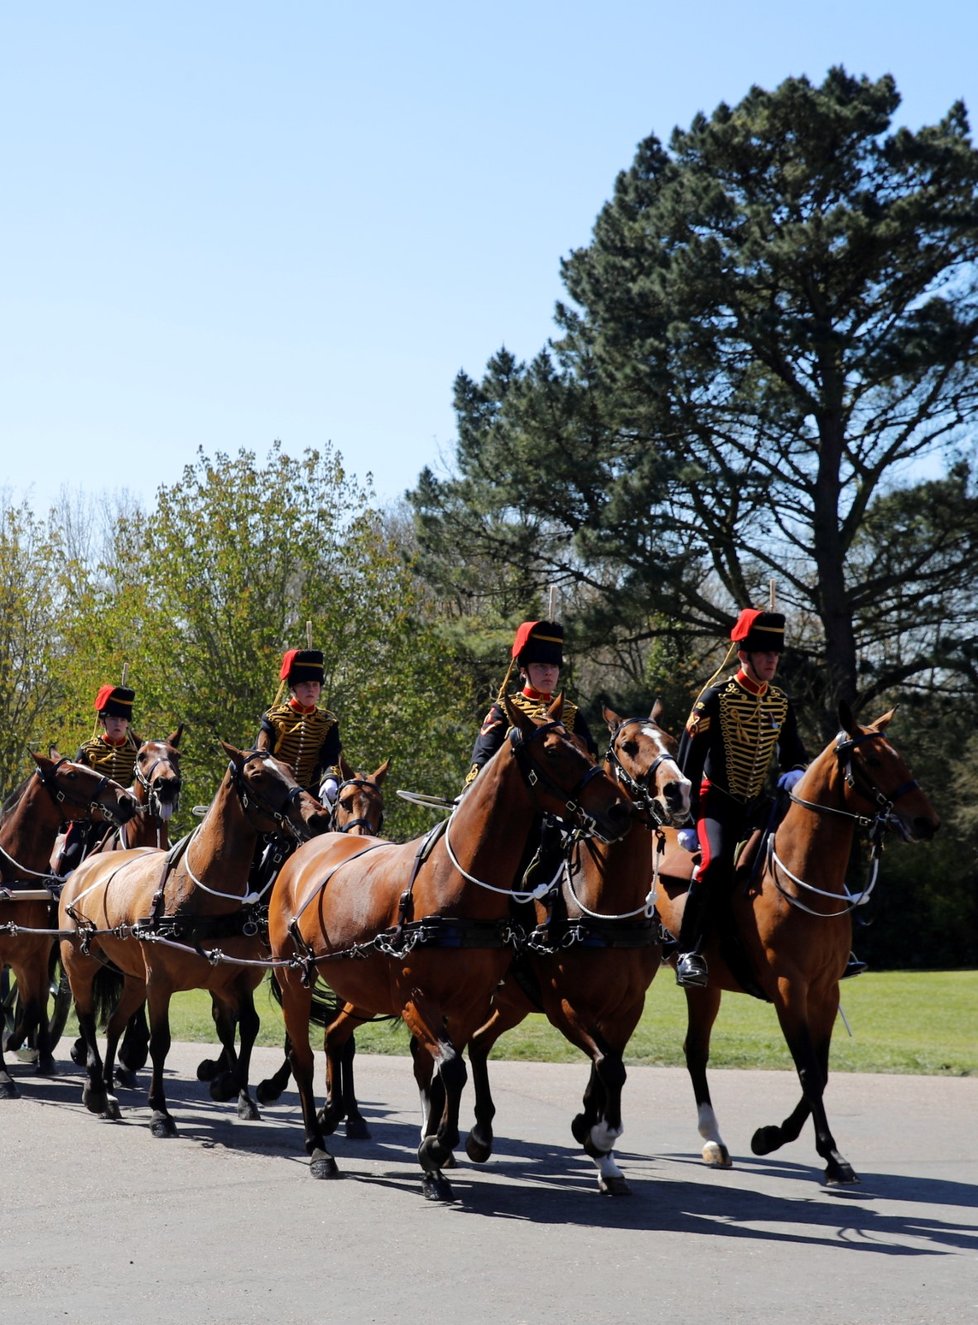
{"x": 919, "y": 1022}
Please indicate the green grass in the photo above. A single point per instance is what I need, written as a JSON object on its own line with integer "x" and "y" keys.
{"x": 902, "y": 1021}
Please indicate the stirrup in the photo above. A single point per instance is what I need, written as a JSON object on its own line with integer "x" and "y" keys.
{"x": 691, "y": 970}
{"x": 853, "y": 967}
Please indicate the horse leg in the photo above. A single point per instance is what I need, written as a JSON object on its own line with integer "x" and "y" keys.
{"x": 478, "y": 1143}
{"x": 702, "y": 1006}
{"x": 82, "y": 971}
{"x": 296, "y": 1006}
{"x": 134, "y": 1049}
{"x": 271, "y": 1088}
{"x": 809, "y": 1046}
{"x": 356, "y": 1124}
{"x": 209, "y": 1069}
{"x": 161, "y": 1123}
{"x": 426, "y": 1021}
{"x": 131, "y": 999}
{"x": 230, "y": 1015}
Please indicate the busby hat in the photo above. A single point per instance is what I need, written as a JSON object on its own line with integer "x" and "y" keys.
{"x": 302, "y": 665}
{"x": 759, "y": 632}
{"x": 539, "y": 642}
{"x": 114, "y": 702}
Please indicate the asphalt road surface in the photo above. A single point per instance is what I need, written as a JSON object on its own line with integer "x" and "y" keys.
{"x": 223, "y": 1223}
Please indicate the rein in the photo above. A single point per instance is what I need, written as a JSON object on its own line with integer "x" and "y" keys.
{"x": 875, "y": 826}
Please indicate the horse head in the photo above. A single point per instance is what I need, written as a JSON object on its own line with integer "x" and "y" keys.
{"x": 359, "y": 805}
{"x": 270, "y": 796}
{"x": 81, "y": 792}
{"x": 562, "y": 777}
{"x": 157, "y": 776}
{"x": 642, "y": 757}
{"x": 876, "y": 772}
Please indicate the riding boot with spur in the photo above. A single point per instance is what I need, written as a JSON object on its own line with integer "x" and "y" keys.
{"x": 691, "y": 968}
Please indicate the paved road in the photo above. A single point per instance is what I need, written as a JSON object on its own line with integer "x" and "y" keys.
{"x": 223, "y": 1224}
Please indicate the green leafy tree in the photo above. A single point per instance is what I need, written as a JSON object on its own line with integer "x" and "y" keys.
{"x": 774, "y": 326}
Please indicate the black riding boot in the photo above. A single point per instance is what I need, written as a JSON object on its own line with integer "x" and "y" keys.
{"x": 691, "y": 968}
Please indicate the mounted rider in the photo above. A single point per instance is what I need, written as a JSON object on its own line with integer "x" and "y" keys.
{"x": 734, "y": 729}
{"x": 111, "y": 752}
{"x": 304, "y": 736}
{"x": 538, "y": 654}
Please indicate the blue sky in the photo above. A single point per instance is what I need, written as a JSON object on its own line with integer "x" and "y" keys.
{"x": 226, "y": 223}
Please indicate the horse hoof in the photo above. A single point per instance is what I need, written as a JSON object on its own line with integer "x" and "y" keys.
{"x": 94, "y": 1100}
{"x": 247, "y": 1109}
{"x": 765, "y": 1139}
{"x": 208, "y": 1069}
{"x": 357, "y": 1129}
{"x": 111, "y": 1113}
{"x": 328, "y": 1121}
{"x": 436, "y": 1187}
{"x": 477, "y": 1150}
{"x": 8, "y": 1091}
{"x": 840, "y": 1175}
{"x": 266, "y": 1092}
{"x": 162, "y": 1125}
{"x": 323, "y": 1165}
{"x": 223, "y": 1088}
{"x": 614, "y": 1186}
{"x": 125, "y": 1077}
{"x": 717, "y": 1156}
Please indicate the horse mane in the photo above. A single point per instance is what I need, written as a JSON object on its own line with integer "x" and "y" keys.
{"x": 12, "y": 800}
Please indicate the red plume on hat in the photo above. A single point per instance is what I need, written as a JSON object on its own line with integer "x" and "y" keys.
{"x": 539, "y": 642}
{"x": 115, "y": 701}
{"x": 302, "y": 665}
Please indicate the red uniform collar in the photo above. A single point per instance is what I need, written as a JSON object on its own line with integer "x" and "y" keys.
{"x": 296, "y": 707}
{"x": 752, "y": 687}
{"x": 116, "y": 745}
{"x": 537, "y": 695}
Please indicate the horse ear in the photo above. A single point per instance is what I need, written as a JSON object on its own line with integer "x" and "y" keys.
{"x": 382, "y": 772}
{"x": 556, "y": 708}
{"x": 657, "y": 710}
{"x": 514, "y": 716}
{"x": 348, "y": 772}
{"x": 611, "y": 718}
{"x": 849, "y": 723}
{"x": 263, "y": 741}
{"x": 174, "y": 737}
{"x": 236, "y": 756}
{"x": 41, "y": 760}
{"x": 882, "y": 723}
{"x": 53, "y": 754}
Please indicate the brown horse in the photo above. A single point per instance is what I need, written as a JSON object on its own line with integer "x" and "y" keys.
{"x": 596, "y": 949}
{"x": 421, "y": 930}
{"x": 32, "y": 816}
{"x": 788, "y": 932}
{"x": 182, "y": 919}
{"x": 156, "y": 787}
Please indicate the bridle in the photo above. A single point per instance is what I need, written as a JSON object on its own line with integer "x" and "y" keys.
{"x": 49, "y": 780}
{"x": 154, "y": 804}
{"x": 640, "y": 789}
{"x": 361, "y": 821}
{"x": 875, "y": 826}
{"x": 251, "y": 800}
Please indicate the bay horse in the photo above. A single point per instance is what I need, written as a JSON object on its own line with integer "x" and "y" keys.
{"x": 178, "y": 920}
{"x": 422, "y": 930}
{"x": 596, "y": 949}
{"x": 788, "y": 932}
{"x": 358, "y": 809}
{"x": 156, "y": 787}
{"x": 59, "y": 789}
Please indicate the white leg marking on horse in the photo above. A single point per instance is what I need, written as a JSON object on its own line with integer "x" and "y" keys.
{"x": 715, "y": 1153}
{"x": 604, "y": 1137}
{"x": 606, "y": 1166}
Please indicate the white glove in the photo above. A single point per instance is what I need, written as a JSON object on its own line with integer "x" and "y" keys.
{"x": 687, "y": 839}
{"x": 327, "y": 792}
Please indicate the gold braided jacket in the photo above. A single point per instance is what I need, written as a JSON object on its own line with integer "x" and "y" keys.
{"x": 299, "y": 740}
{"x": 117, "y": 762}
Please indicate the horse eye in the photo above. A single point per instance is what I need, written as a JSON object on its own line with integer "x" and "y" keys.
{"x": 630, "y": 747}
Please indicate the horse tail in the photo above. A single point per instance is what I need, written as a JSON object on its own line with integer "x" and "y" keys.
{"x": 326, "y": 1006}
{"x": 106, "y": 990}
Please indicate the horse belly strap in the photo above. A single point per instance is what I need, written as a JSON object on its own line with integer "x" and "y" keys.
{"x": 246, "y": 923}
{"x": 600, "y": 934}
